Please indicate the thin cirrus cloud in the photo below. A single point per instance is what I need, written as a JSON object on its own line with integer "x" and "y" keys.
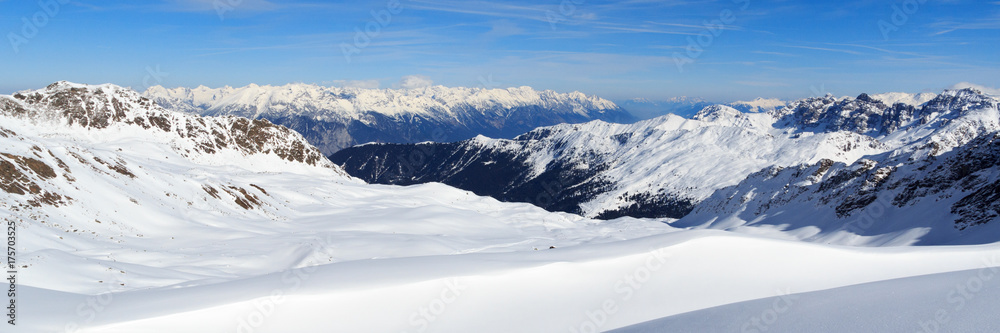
{"x": 480, "y": 8}
{"x": 993, "y": 24}
{"x": 775, "y": 53}
{"x": 824, "y": 49}
{"x": 217, "y": 5}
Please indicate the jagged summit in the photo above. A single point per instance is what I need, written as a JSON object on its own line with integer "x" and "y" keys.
{"x": 961, "y": 99}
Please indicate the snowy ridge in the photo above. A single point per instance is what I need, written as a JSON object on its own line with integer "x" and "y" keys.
{"x": 938, "y": 187}
{"x": 108, "y": 112}
{"x": 334, "y": 118}
{"x": 255, "y": 101}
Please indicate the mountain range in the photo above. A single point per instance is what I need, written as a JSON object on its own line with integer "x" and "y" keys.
{"x": 669, "y": 167}
{"x": 124, "y": 216}
{"x": 334, "y": 118}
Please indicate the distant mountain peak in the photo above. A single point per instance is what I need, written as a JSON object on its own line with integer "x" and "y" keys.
{"x": 717, "y": 112}
{"x": 865, "y": 97}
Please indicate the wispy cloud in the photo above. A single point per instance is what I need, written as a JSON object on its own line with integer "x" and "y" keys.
{"x": 775, "y": 53}
{"x": 646, "y": 30}
{"x": 214, "y": 5}
{"x": 221, "y": 51}
{"x": 482, "y": 8}
{"x": 504, "y": 28}
{"x": 700, "y": 27}
{"x": 992, "y": 23}
{"x": 824, "y": 49}
{"x": 883, "y": 50}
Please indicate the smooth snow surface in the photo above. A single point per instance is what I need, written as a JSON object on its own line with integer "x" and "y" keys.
{"x": 604, "y": 286}
{"x": 962, "y": 301}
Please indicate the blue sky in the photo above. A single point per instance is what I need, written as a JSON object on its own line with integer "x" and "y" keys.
{"x": 728, "y": 49}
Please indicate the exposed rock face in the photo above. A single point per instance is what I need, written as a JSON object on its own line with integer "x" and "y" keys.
{"x": 21, "y": 175}
{"x": 101, "y": 107}
{"x": 34, "y": 175}
{"x": 862, "y": 115}
{"x": 503, "y": 172}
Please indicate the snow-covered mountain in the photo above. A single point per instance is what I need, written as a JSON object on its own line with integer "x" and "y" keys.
{"x": 941, "y": 185}
{"x": 123, "y": 216}
{"x": 666, "y": 166}
{"x": 655, "y": 168}
{"x": 335, "y": 118}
